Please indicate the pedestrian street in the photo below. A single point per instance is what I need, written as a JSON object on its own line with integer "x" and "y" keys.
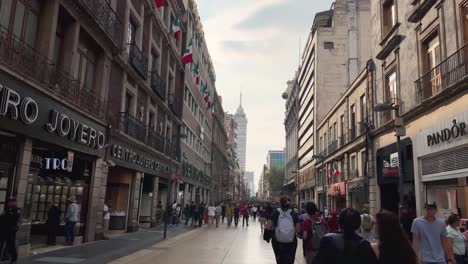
{"x": 222, "y": 245}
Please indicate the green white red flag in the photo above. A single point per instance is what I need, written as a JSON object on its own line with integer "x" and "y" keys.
{"x": 213, "y": 111}
{"x": 336, "y": 171}
{"x": 176, "y": 28}
{"x": 188, "y": 55}
{"x": 196, "y": 73}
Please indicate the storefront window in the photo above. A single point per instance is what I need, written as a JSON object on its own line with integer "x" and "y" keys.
{"x": 56, "y": 174}
{"x": 449, "y": 196}
{"x": 8, "y": 158}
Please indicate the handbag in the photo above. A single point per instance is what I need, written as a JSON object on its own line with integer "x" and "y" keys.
{"x": 267, "y": 235}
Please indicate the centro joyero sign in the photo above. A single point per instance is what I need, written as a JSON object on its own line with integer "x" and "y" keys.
{"x": 26, "y": 110}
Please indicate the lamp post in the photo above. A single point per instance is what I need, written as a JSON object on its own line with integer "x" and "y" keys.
{"x": 399, "y": 132}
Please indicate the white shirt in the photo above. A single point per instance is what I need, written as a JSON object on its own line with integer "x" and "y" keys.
{"x": 211, "y": 211}
{"x": 106, "y": 213}
{"x": 254, "y": 209}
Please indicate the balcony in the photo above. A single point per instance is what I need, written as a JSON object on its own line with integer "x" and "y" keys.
{"x": 342, "y": 140}
{"x": 138, "y": 60}
{"x": 362, "y": 128}
{"x": 20, "y": 57}
{"x": 158, "y": 85}
{"x": 333, "y": 146}
{"x": 174, "y": 104}
{"x": 155, "y": 140}
{"x": 133, "y": 127}
{"x": 106, "y": 17}
{"x": 352, "y": 132}
{"x": 422, "y": 7}
{"x": 448, "y": 73}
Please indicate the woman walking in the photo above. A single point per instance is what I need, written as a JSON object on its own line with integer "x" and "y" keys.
{"x": 456, "y": 239}
{"x": 393, "y": 245}
{"x": 229, "y": 211}
{"x": 263, "y": 214}
{"x": 236, "y": 214}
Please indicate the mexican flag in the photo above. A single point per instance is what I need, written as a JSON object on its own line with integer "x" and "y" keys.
{"x": 196, "y": 73}
{"x": 188, "y": 55}
{"x": 335, "y": 170}
{"x": 213, "y": 112}
{"x": 204, "y": 90}
{"x": 176, "y": 28}
{"x": 160, "y": 3}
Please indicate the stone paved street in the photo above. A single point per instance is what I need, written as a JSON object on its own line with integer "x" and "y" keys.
{"x": 222, "y": 245}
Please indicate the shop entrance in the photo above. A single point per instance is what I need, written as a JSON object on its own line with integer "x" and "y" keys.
{"x": 55, "y": 175}
{"x": 8, "y": 157}
{"x": 119, "y": 184}
{"x": 389, "y": 197}
{"x": 146, "y": 201}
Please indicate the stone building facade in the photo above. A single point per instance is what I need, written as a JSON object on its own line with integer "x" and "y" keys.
{"x": 420, "y": 54}
{"x": 95, "y": 94}
{"x": 339, "y": 40}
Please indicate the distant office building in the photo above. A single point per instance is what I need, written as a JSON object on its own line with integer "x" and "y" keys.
{"x": 275, "y": 158}
{"x": 241, "y": 121}
{"x": 249, "y": 175}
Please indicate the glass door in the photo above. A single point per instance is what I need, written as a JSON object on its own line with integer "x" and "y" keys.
{"x": 5, "y": 171}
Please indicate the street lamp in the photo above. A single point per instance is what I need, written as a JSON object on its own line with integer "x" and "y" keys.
{"x": 399, "y": 132}
{"x": 169, "y": 191}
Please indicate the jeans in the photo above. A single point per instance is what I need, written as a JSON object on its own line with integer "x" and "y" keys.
{"x": 70, "y": 231}
{"x": 245, "y": 219}
{"x": 236, "y": 219}
{"x": 460, "y": 259}
{"x": 229, "y": 220}
{"x": 285, "y": 253}
{"x": 9, "y": 241}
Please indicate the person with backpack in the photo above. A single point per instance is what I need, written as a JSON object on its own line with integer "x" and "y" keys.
{"x": 313, "y": 229}
{"x": 345, "y": 246}
{"x": 284, "y": 225}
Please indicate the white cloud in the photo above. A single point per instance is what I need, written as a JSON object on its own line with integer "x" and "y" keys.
{"x": 258, "y": 57}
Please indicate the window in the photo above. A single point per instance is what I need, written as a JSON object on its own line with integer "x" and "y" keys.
{"x": 352, "y": 165}
{"x": 363, "y": 105}
{"x": 352, "y": 121}
{"x": 131, "y": 34}
{"x": 154, "y": 62}
{"x": 342, "y": 128}
{"x": 328, "y": 45}
{"x": 128, "y": 103}
{"x": 86, "y": 62}
{"x": 152, "y": 120}
{"x": 389, "y": 14}
{"x": 21, "y": 18}
{"x": 432, "y": 56}
{"x": 334, "y": 131}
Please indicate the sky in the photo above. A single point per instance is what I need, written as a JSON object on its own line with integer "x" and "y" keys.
{"x": 255, "y": 46}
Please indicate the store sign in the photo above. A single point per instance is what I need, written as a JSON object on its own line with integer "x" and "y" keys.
{"x": 356, "y": 185}
{"x": 141, "y": 160}
{"x": 27, "y": 110}
{"x": 58, "y": 164}
{"x": 390, "y": 168}
{"x": 337, "y": 189}
{"x": 74, "y": 130}
{"x": 447, "y": 134}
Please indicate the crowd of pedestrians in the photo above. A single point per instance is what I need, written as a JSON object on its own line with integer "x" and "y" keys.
{"x": 346, "y": 236}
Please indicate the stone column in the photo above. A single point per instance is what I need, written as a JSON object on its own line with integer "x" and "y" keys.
{"x": 132, "y": 222}
{"x": 97, "y": 194}
{"x": 20, "y": 190}
{"x": 155, "y": 201}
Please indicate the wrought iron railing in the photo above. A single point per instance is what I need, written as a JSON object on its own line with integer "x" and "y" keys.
{"x": 138, "y": 60}
{"x": 133, "y": 127}
{"x": 447, "y": 73}
{"x": 333, "y": 146}
{"x": 16, "y": 54}
{"x": 352, "y": 132}
{"x": 106, "y": 17}
{"x": 343, "y": 139}
{"x": 158, "y": 85}
{"x": 155, "y": 140}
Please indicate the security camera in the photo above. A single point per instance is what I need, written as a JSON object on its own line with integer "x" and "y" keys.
{"x": 110, "y": 163}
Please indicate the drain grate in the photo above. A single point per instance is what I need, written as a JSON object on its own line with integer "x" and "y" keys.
{"x": 60, "y": 260}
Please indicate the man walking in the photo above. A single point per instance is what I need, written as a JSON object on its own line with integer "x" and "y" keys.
{"x": 70, "y": 220}
{"x": 223, "y": 212}
{"x": 236, "y": 214}
{"x": 9, "y": 225}
{"x": 106, "y": 220}
{"x": 201, "y": 211}
{"x": 211, "y": 215}
{"x": 430, "y": 238}
{"x": 229, "y": 213}
{"x": 254, "y": 212}
{"x": 190, "y": 213}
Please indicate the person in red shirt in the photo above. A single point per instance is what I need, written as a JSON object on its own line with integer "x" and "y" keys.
{"x": 333, "y": 222}
{"x": 312, "y": 223}
{"x": 245, "y": 214}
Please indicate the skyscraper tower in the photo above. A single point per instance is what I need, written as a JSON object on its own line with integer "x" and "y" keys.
{"x": 241, "y": 121}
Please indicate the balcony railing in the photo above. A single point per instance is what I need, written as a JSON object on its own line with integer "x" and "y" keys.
{"x": 158, "y": 85}
{"x": 19, "y": 56}
{"x": 352, "y": 133}
{"x": 133, "y": 127}
{"x": 106, "y": 17}
{"x": 353, "y": 174}
{"x": 155, "y": 140}
{"x": 333, "y": 146}
{"x": 343, "y": 140}
{"x": 138, "y": 60}
{"x": 449, "y": 72}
